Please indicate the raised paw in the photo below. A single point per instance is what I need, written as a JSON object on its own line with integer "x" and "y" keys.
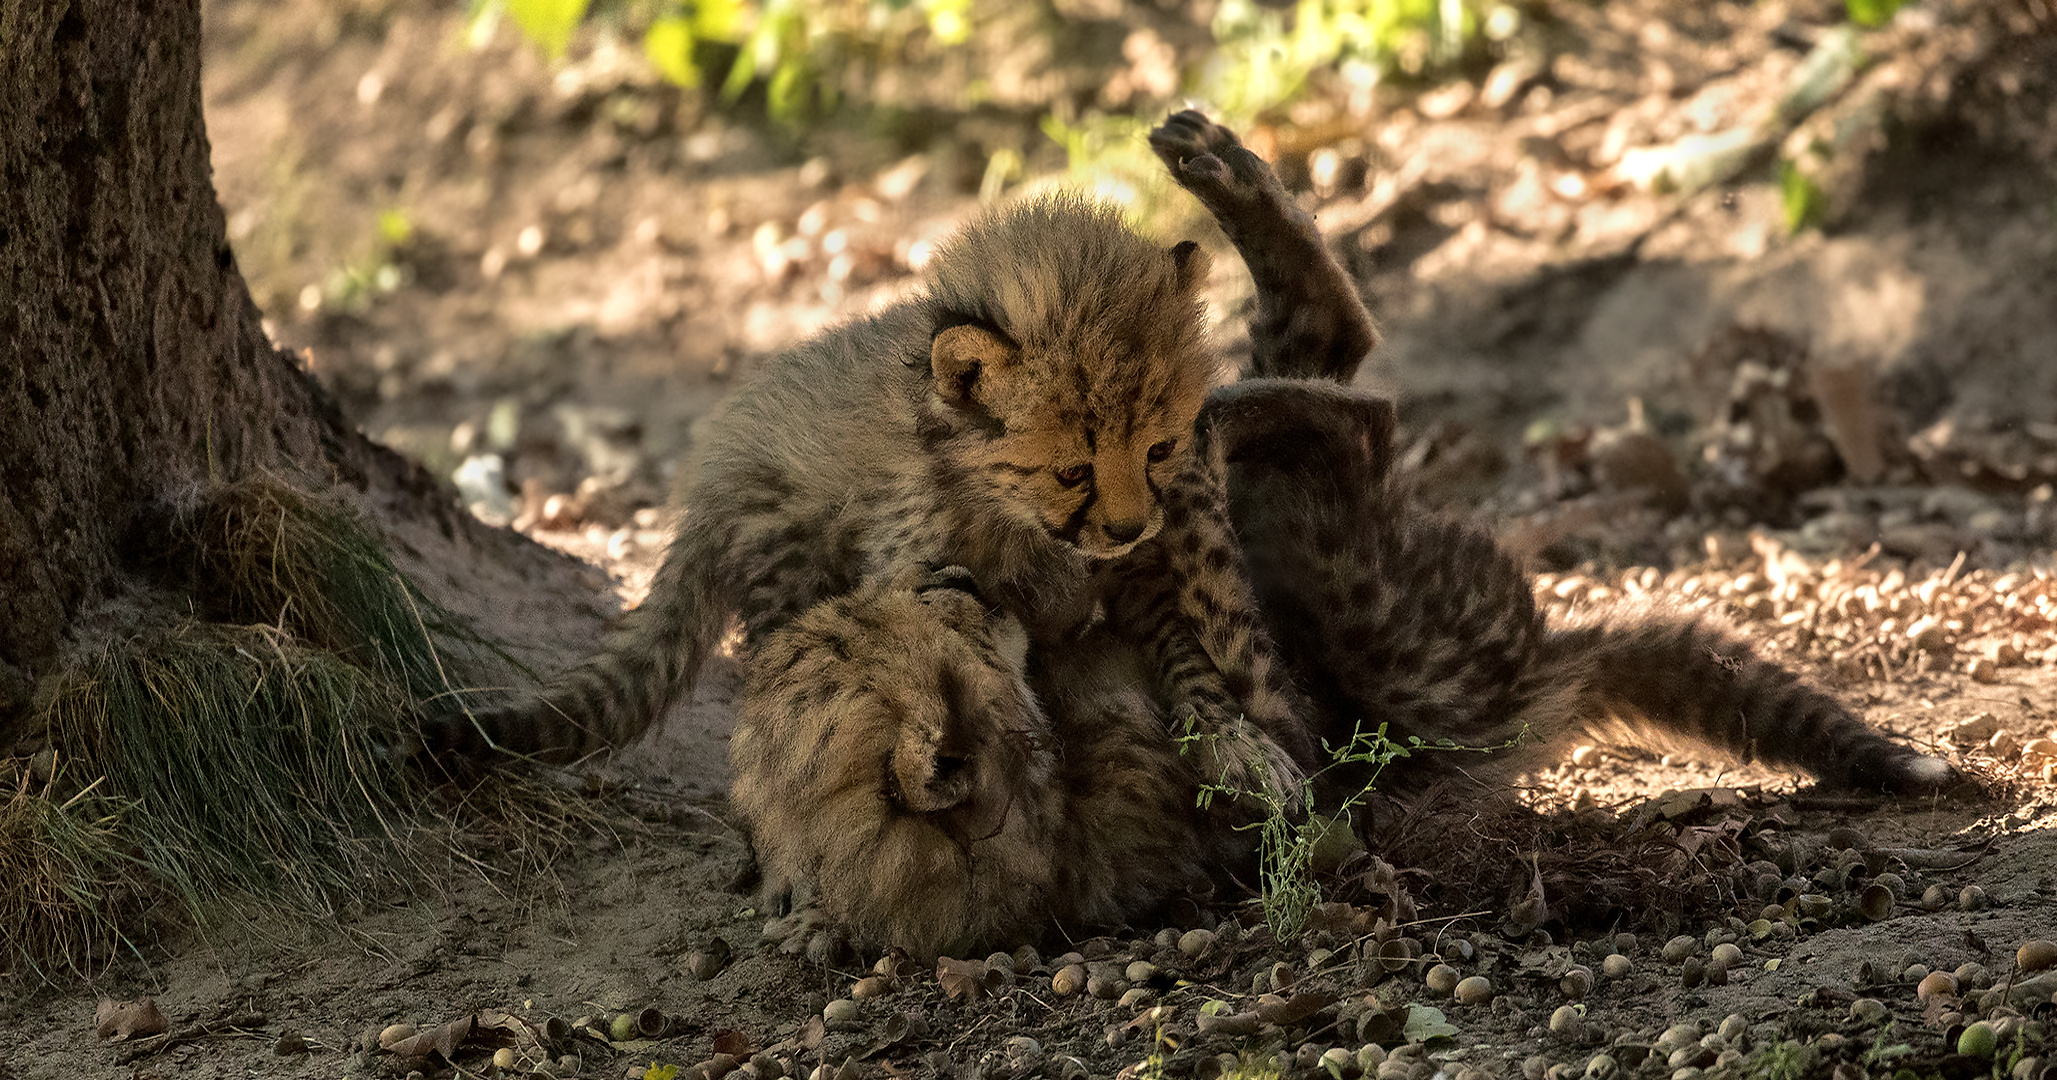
{"x": 1208, "y": 160}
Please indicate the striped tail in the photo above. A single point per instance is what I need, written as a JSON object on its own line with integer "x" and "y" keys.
{"x": 645, "y": 666}
{"x": 1681, "y": 676}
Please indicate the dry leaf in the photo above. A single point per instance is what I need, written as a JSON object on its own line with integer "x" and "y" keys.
{"x": 118, "y": 1021}
{"x": 732, "y": 1042}
{"x": 964, "y": 980}
{"x": 443, "y": 1040}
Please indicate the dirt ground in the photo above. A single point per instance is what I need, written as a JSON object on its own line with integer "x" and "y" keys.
{"x": 537, "y": 279}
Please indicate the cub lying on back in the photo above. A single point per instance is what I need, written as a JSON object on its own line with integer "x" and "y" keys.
{"x": 892, "y": 759}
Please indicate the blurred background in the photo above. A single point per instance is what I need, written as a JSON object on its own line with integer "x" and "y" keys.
{"x": 1654, "y": 274}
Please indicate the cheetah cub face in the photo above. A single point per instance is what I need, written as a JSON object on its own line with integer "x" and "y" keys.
{"x": 1069, "y": 362}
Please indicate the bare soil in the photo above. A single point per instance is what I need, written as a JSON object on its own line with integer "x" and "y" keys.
{"x": 1648, "y": 392}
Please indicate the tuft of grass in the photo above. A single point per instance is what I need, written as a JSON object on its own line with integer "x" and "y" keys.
{"x": 262, "y": 551}
{"x": 64, "y": 864}
{"x": 244, "y": 762}
{"x": 246, "y": 759}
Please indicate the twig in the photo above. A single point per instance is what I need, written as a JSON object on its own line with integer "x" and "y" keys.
{"x": 157, "y": 1044}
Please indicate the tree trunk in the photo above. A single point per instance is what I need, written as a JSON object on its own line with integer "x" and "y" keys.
{"x": 136, "y": 366}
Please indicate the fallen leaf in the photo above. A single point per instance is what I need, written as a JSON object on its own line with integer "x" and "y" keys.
{"x": 1425, "y": 1023}
{"x": 118, "y": 1021}
{"x": 732, "y": 1042}
{"x": 443, "y": 1040}
{"x": 964, "y": 980}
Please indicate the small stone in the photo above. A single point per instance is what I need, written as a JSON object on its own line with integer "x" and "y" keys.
{"x": 1973, "y": 731}
{"x": 290, "y": 1042}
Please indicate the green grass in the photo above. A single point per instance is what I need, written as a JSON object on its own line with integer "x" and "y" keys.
{"x": 244, "y": 761}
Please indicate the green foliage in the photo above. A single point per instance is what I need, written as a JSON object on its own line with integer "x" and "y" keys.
{"x": 548, "y": 23}
{"x": 1872, "y": 12}
{"x": 793, "y": 48}
{"x": 63, "y": 859}
{"x": 1801, "y": 200}
{"x": 1263, "y": 58}
{"x": 1288, "y": 840}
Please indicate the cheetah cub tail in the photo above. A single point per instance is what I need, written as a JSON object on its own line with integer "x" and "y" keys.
{"x": 1673, "y": 675}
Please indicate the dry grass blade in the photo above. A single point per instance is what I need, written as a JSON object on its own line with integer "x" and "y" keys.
{"x": 250, "y": 759}
{"x": 64, "y": 863}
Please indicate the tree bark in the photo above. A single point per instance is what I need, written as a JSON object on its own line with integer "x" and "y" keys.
{"x": 136, "y": 364}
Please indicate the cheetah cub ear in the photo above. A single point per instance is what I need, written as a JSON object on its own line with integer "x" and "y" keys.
{"x": 960, "y": 355}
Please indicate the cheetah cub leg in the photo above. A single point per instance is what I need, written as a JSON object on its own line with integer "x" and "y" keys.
{"x": 1311, "y": 322}
{"x": 1185, "y": 599}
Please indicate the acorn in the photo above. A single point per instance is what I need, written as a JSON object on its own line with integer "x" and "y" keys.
{"x": 1576, "y": 983}
{"x": 1727, "y": 953}
{"x": 871, "y": 986}
{"x": 1979, "y": 1040}
{"x": 2036, "y": 954}
{"x": 395, "y": 1033}
{"x": 1194, "y": 943}
{"x": 1567, "y": 1021}
{"x": 1678, "y": 949}
{"x": 1869, "y": 1011}
{"x": 503, "y": 1058}
{"x": 1875, "y": 902}
{"x": 1692, "y": 973}
{"x": 622, "y": 1027}
{"x": 1972, "y": 898}
{"x": 1475, "y": 990}
{"x": 1441, "y": 979}
{"x": 1616, "y": 966}
{"x": 1936, "y": 984}
{"x": 1069, "y": 980}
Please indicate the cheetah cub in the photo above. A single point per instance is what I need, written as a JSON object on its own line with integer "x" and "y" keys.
{"x": 1019, "y": 419}
{"x": 894, "y": 769}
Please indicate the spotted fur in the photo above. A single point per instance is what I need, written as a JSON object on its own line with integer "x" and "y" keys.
{"x": 1020, "y": 419}
{"x": 895, "y": 769}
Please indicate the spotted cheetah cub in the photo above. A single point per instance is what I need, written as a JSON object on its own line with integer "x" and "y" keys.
{"x": 894, "y": 768}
